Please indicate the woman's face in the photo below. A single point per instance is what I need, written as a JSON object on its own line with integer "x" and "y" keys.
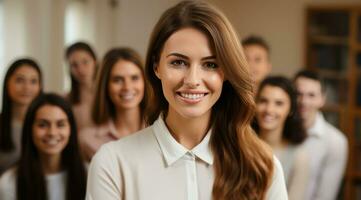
{"x": 82, "y": 66}
{"x": 126, "y": 85}
{"x": 24, "y": 85}
{"x": 273, "y": 107}
{"x": 51, "y": 130}
{"x": 191, "y": 78}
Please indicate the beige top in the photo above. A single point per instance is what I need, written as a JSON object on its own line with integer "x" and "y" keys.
{"x": 92, "y": 138}
{"x": 152, "y": 165}
{"x": 295, "y": 163}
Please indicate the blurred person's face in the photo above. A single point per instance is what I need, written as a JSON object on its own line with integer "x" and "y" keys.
{"x": 82, "y": 66}
{"x": 191, "y": 78}
{"x": 24, "y": 85}
{"x": 273, "y": 105}
{"x": 51, "y": 130}
{"x": 126, "y": 85}
{"x": 258, "y": 61}
{"x": 310, "y": 98}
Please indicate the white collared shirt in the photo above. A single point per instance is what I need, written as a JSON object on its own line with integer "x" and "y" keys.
{"x": 327, "y": 147}
{"x": 152, "y": 165}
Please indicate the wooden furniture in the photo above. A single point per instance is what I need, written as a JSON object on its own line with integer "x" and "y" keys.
{"x": 333, "y": 48}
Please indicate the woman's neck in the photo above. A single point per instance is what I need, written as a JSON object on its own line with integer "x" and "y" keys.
{"x": 189, "y": 132}
{"x": 273, "y": 138}
{"x": 51, "y": 164}
{"x": 18, "y": 112}
{"x": 86, "y": 92}
{"x": 128, "y": 121}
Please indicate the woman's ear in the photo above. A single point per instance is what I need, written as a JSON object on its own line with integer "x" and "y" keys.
{"x": 156, "y": 70}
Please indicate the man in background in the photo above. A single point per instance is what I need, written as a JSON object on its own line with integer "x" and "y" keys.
{"x": 326, "y": 144}
{"x": 257, "y": 53}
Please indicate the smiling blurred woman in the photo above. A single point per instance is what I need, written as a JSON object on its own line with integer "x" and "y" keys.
{"x": 50, "y": 166}
{"x": 22, "y": 84}
{"x": 120, "y": 100}
{"x": 278, "y": 123}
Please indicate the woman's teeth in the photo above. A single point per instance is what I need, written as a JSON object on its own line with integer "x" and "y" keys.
{"x": 192, "y": 96}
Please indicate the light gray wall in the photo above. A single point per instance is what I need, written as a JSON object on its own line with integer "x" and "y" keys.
{"x": 280, "y": 22}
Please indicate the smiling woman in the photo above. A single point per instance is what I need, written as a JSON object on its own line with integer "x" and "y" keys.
{"x": 119, "y": 103}
{"x": 50, "y": 165}
{"x": 200, "y": 144}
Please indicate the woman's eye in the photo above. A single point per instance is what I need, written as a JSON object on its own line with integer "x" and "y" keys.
{"x": 178, "y": 62}
{"x": 135, "y": 78}
{"x": 41, "y": 124}
{"x": 211, "y": 65}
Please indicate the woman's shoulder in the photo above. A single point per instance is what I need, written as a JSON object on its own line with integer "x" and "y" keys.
{"x": 277, "y": 188}
{"x": 131, "y": 144}
{"x": 8, "y": 176}
{"x": 7, "y": 184}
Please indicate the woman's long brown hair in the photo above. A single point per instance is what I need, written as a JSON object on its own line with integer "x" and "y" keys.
{"x": 243, "y": 165}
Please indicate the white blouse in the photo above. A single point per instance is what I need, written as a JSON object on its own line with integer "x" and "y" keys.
{"x": 55, "y": 184}
{"x": 151, "y": 164}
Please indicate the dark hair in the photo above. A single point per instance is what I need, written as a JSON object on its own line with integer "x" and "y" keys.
{"x": 293, "y": 130}
{"x": 31, "y": 184}
{"x": 311, "y": 75}
{"x": 6, "y": 140}
{"x": 103, "y": 107}
{"x": 74, "y": 95}
{"x": 243, "y": 164}
{"x": 256, "y": 40}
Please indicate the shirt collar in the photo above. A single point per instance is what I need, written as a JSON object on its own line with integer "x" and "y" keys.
{"x": 317, "y": 128}
{"x": 173, "y": 151}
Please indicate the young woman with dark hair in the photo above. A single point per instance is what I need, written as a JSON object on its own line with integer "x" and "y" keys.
{"x": 50, "y": 167}
{"x": 200, "y": 144}
{"x": 278, "y": 122}
{"x": 119, "y": 103}
{"x": 82, "y": 63}
{"x": 22, "y": 83}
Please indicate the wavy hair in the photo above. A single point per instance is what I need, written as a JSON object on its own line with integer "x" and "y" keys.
{"x": 243, "y": 164}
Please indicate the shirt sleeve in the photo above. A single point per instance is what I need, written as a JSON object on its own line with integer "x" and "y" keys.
{"x": 333, "y": 169}
{"x": 297, "y": 186}
{"x": 7, "y": 185}
{"x": 104, "y": 178}
{"x": 277, "y": 190}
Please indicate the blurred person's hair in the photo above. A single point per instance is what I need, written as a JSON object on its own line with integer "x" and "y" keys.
{"x": 313, "y": 76}
{"x": 256, "y": 40}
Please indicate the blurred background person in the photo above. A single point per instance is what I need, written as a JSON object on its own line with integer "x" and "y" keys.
{"x": 119, "y": 102}
{"x": 327, "y": 145}
{"x": 83, "y": 67}
{"x": 279, "y": 124}
{"x": 257, "y": 52}
{"x": 22, "y": 83}
{"x": 50, "y": 166}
